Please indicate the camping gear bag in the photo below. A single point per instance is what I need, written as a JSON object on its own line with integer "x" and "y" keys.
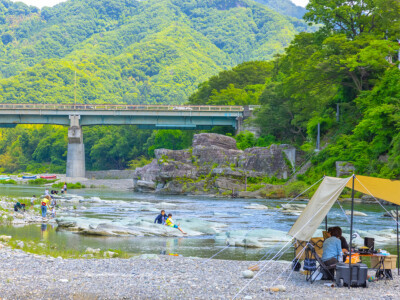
{"x": 359, "y": 275}
{"x": 310, "y": 264}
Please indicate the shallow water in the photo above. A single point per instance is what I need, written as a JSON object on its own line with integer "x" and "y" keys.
{"x": 228, "y": 217}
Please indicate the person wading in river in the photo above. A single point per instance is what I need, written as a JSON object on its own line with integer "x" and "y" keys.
{"x": 45, "y": 204}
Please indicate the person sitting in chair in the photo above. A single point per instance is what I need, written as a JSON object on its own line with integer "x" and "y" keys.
{"x": 332, "y": 247}
{"x": 343, "y": 242}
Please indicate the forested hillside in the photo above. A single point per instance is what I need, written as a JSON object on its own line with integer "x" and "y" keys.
{"x": 129, "y": 51}
{"x": 352, "y": 62}
{"x": 153, "y": 51}
{"x": 285, "y": 7}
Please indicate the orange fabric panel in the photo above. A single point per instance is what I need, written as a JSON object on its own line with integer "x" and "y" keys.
{"x": 385, "y": 189}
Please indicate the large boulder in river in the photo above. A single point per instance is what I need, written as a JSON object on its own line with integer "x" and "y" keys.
{"x": 148, "y": 172}
{"x": 212, "y": 148}
{"x": 176, "y": 169}
{"x": 213, "y": 165}
{"x": 270, "y": 161}
{"x": 213, "y": 139}
{"x": 173, "y": 155}
{"x": 64, "y": 223}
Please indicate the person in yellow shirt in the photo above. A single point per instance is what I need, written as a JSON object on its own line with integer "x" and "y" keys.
{"x": 45, "y": 204}
{"x": 169, "y": 222}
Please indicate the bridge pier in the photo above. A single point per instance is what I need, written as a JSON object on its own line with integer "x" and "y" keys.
{"x": 76, "y": 149}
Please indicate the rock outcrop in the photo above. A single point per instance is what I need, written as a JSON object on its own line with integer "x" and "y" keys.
{"x": 214, "y": 165}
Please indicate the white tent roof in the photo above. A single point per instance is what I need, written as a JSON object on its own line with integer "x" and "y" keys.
{"x": 318, "y": 207}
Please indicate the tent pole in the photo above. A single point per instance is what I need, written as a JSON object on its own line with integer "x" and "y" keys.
{"x": 326, "y": 223}
{"x": 351, "y": 230}
{"x": 397, "y": 234}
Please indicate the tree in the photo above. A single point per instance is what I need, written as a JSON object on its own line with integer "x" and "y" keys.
{"x": 355, "y": 17}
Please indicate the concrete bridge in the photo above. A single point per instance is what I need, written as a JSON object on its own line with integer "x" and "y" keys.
{"x": 144, "y": 116}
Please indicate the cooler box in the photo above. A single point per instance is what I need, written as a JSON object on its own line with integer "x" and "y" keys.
{"x": 389, "y": 262}
{"x": 316, "y": 242}
{"x": 359, "y": 276}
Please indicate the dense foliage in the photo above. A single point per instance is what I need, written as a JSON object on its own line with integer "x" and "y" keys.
{"x": 350, "y": 62}
{"x": 123, "y": 52}
{"x": 43, "y": 148}
{"x": 285, "y": 7}
{"x": 158, "y": 51}
{"x": 131, "y": 51}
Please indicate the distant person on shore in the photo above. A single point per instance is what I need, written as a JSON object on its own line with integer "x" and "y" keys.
{"x": 45, "y": 204}
{"x": 18, "y": 206}
{"x": 33, "y": 200}
{"x": 53, "y": 202}
{"x": 169, "y": 222}
{"x": 161, "y": 218}
{"x": 46, "y": 192}
{"x": 65, "y": 187}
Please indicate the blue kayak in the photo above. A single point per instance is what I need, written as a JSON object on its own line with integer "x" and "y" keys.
{"x": 29, "y": 177}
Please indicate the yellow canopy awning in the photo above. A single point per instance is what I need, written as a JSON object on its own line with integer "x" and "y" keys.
{"x": 385, "y": 189}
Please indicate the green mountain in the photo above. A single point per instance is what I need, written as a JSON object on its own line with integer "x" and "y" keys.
{"x": 285, "y": 7}
{"x": 153, "y": 51}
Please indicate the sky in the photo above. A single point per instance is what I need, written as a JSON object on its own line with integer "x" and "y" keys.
{"x": 41, "y": 3}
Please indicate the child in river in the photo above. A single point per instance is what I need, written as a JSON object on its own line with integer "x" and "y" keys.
{"x": 33, "y": 200}
{"x": 161, "y": 218}
{"x": 169, "y": 222}
{"x": 53, "y": 212}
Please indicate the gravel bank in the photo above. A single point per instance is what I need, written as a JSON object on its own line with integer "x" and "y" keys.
{"x": 26, "y": 276}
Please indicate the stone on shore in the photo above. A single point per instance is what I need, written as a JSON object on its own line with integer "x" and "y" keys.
{"x": 110, "y": 254}
{"x": 92, "y": 251}
{"x": 278, "y": 288}
{"x": 248, "y": 274}
{"x": 5, "y": 238}
{"x": 254, "y": 268}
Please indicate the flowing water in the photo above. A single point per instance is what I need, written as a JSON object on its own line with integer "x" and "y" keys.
{"x": 218, "y": 221}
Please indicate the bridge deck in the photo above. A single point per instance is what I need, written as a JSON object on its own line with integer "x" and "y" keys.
{"x": 145, "y": 116}
{"x": 123, "y": 107}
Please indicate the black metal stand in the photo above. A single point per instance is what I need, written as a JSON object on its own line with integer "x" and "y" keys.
{"x": 397, "y": 234}
{"x": 351, "y": 231}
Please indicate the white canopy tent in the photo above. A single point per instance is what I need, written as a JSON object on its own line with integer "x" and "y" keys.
{"x": 318, "y": 207}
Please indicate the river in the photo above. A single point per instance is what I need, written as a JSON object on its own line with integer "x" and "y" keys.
{"x": 229, "y": 216}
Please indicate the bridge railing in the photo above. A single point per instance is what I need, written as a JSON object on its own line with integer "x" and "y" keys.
{"x": 4, "y": 106}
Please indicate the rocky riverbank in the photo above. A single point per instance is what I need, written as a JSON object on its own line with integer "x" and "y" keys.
{"x": 31, "y": 215}
{"x": 27, "y": 276}
{"x": 214, "y": 166}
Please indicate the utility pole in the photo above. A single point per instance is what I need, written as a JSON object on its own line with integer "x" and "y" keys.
{"x": 318, "y": 137}
{"x": 398, "y": 57}
{"x": 75, "y": 92}
{"x": 337, "y": 112}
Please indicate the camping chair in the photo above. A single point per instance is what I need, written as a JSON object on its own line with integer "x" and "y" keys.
{"x": 329, "y": 271}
